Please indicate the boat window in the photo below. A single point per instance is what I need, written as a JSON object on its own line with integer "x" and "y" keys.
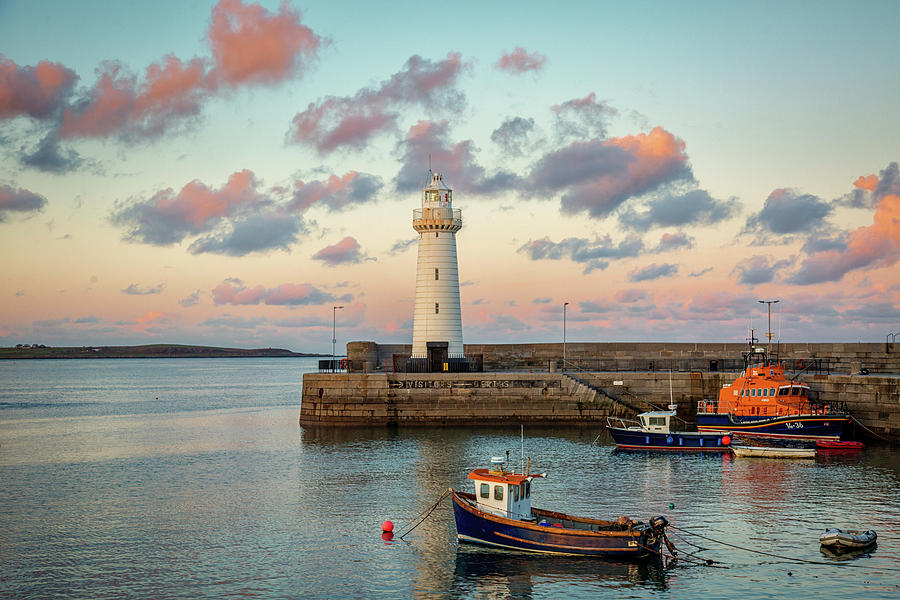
{"x": 784, "y": 391}
{"x": 515, "y": 493}
{"x": 803, "y": 392}
{"x": 657, "y": 420}
{"x": 771, "y": 391}
{"x": 498, "y": 492}
{"x": 795, "y": 391}
{"x": 527, "y": 489}
{"x": 753, "y": 393}
{"x": 485, "y": 490}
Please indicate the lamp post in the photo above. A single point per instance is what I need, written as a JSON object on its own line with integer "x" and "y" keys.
{"x": 769, "y": 334}
{"x": 333, "y": 337}
{"x": 564, "y": 336}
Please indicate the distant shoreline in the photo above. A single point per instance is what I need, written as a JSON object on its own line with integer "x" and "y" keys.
{"x": 147, "y": 351}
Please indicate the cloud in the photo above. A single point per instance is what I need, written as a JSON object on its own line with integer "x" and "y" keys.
{"x": 233, "y": 291}
{"x": 37, "y": 91}
{"x": 695, "y": 207}
{"x": 873, "y": 246}
{"x": 273, "y": 230}
{"x": 337, "y": 122}
{"x": 542, "y": 301}
{"x": 519, "y": 61}
{"x": 652, "y": 272}
{"x": 336, "y": 193}
{"x": 597, "y": 176}
{"x": 868, "y": 189}
{"x": 630, "y": 296}
{"x": 786, "y": 212}
{"x": 19, "y": 200}
{"x": 347, "y": 251}
{"x": 759, "y": 269}
{"x": 595, "y": 254}
{"x": 135, "y": 289}
{"x": 89, "y": 320}
{"x": 601, "y": 306}
{"x": 192, "y": 300}
{"x": 512, "y": 135}
{"x": 50, "y": 158}
{"x": 252, "y": 45}
{"x": 152, "y": 322}
{"x": 701, "y": 272}
{"x": 582, "y": 118}
{"x": 456, "y": 162}
{"x": 167, "y": 218}
{"x": 401, "y": 246}
{"x": 234, "y": 322}
{"x": 669, "y": 242}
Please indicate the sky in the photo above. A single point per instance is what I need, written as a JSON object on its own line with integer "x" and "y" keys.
{"x": 226, "y": 173}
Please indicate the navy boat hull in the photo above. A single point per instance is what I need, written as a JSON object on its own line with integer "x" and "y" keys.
{"x": 796, "y": 427}
{"x": 676, "y": 441}
{"x": 480, "y": 527}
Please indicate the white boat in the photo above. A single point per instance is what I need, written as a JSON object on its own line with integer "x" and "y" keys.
{"x": 770, "y": 452}
{"x": 838, "y": 539}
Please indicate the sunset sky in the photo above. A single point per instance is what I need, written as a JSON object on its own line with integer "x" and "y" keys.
{"x": 225, "y": 173}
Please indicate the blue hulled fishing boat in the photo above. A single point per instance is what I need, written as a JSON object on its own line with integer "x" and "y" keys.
{"x": 652, "y": 431}
{"x": 499, "y": 514}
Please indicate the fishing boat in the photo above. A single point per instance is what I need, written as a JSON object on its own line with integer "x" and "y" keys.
{"x": 499, "y": 514}
{"x": 764, "y": 403}
{"x": 839, "y": 540}
{"x": 773, "y": 452}
{"x": 652, "y": 431}
{"x": 839, "y": 445}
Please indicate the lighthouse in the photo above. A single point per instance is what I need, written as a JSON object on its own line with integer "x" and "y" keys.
{"x": 437, "y": 319}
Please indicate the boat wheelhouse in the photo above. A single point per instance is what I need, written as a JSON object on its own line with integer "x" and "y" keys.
{"x": 499, "y": 514}
{"x": 762, "y": 402}
{"x": 653, "y": 431}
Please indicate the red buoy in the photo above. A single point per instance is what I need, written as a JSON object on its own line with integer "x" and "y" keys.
{"x": 726, "y": 440}
{"x": 387, "y": 526}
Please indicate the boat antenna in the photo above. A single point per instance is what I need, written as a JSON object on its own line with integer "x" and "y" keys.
{"x": 522, "y": 425}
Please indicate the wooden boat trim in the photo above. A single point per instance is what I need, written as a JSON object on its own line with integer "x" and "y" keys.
{"x": 562, "y": 546}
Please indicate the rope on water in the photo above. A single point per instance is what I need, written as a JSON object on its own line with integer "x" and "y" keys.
{"x": 428, "y": 512}
{"x": 855, "y": 420}
{"x": 782, "y": 557}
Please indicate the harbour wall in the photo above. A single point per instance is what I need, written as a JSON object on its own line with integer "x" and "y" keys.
{"x": 366, "y": 357}
{"x": 572, "y": 399}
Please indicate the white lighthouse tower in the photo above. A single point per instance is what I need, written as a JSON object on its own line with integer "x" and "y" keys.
{"x": 437, "y": 320}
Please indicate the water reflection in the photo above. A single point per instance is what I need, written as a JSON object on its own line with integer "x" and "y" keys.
{"x": 482, "y": 572}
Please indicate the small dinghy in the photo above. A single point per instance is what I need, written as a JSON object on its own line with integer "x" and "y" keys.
{"x": 773, "y": 452}
{"x": 840, "y": 540}
{"x": 839, "y": 445}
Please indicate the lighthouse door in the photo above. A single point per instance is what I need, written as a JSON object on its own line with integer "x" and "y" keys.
{"x": 437, "y": 356}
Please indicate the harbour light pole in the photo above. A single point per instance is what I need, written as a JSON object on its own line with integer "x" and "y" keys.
{"x": 334, "y": 310}
{"x": 769, "y": 333}
{"x": 564, "y": 335}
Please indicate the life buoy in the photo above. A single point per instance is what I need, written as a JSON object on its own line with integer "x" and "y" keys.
{"x": 342, "y": 364}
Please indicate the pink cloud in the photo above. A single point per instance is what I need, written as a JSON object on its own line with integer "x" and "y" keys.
{"x": 19, "y": 200}
{"x": 118, "y": 104}
{"x": 150, "y": 321}
{"x": 252, "y": 45}
{"x": 347, "y": 251}
{"x": 872, "y": 246}
{"x": 337, "y": 122}
{"x": 336, "y": 192}
{"x": 519, "y": 61}
{"x": 233, "y": 291}
{"x": 166, "y": 217}
{"x": 37, "y": 91}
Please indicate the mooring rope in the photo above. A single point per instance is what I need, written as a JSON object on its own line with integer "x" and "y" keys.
{"x": 782, "y": 557}
{"x": 855, "y": 420}
{"x": 428, "y": 512}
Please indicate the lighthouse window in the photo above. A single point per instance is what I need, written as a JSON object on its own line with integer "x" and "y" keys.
{"x": 485, "y": 490}
{"x": 437, "y": 307}
{"x": 436, "y": 234}
{"x": 436, "y": 274}
{"x": 498, "y": 492}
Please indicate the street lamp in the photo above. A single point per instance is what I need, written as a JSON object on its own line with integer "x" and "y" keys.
{"x": 564, "y": 336}
{"x": 769, "y": 334}
{"x": 333, "y": 337}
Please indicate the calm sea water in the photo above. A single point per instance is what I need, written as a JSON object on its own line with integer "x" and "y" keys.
{"x": 191, "y": 478}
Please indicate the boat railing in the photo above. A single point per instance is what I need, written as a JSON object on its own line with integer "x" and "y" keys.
{"x": 780, "y": 407}
{"x": 622, "y": 423}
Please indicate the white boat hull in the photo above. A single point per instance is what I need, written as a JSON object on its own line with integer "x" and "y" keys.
{"x": 848, "y": 540}
{"x": 767, "y": 452}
